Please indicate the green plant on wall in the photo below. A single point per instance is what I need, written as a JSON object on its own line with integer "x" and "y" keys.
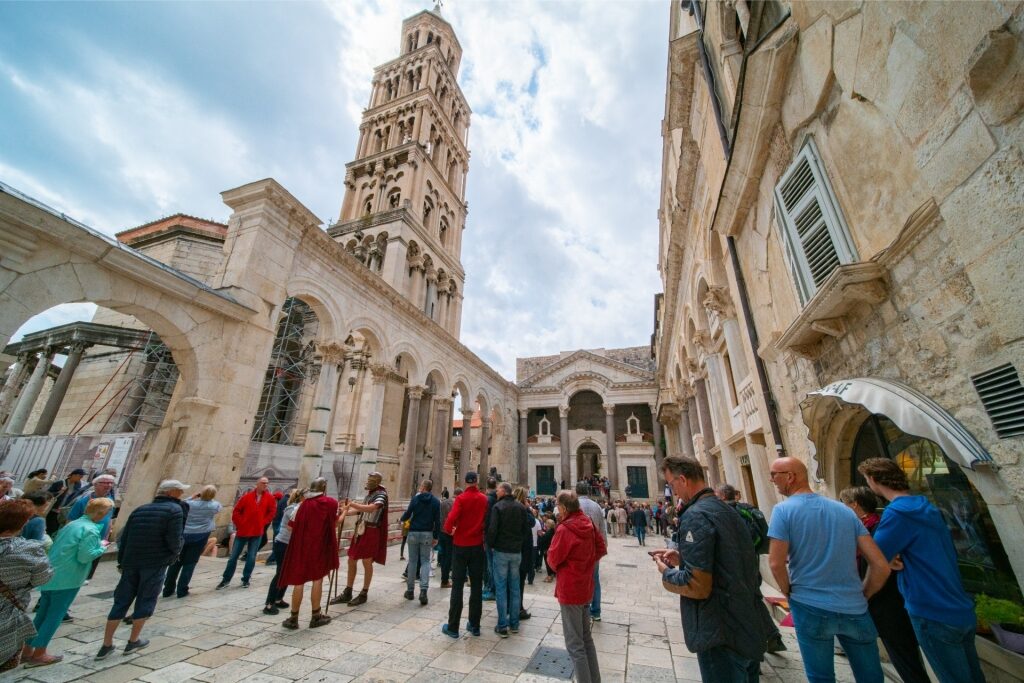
{"x": 997, "y": 611}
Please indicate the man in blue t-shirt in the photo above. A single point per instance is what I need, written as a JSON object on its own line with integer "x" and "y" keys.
{"x": 940, "y": 609}
{"x": 820, "y": 538}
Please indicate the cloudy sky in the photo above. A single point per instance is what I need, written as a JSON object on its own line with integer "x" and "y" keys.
{"x": 120, "y": 113}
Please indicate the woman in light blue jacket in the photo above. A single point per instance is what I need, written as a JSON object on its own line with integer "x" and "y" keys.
{"x": 71, "y": 556}
{"x": 199, "y": 524}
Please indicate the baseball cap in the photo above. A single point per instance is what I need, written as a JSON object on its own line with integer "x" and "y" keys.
{"x": 471, "y": 477}
{"x": 169, "y": 484}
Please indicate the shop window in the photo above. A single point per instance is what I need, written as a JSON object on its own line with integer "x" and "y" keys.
{"x": 817, "y": 239}
{"x": 984, "y": 566}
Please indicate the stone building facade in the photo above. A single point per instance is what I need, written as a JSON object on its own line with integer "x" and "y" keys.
{"x": 843, "y": 181}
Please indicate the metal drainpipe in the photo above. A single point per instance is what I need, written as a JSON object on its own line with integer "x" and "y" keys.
{"x": 741, "y": 283}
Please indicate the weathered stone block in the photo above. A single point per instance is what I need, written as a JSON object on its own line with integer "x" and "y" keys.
{"x": 811, "y": 78}
{"x": 845, "y": 46}
{"x": 959, "y": 157}
{"x": 995, "y": 75}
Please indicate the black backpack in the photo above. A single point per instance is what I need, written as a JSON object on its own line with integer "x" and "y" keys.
{"x": 757, "y": 525}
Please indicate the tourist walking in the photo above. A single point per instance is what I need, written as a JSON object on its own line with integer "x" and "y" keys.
{"x": 444, "y": 540}
{"x": 940, "y": 610}
{"x": 275, "y": 593}
{"x": 150, "y": 541}
{"x": 507, "y": 530}
{"x": 465, "y": 524}
{"x": 424, "y": 517}
{"x": 543, "y": 545}
{"x": 370, "y": 539}
{"x": 71, "y": 556}
{"x": 575, "y": 550}
{"x": 102, "y": 486}
{"x": 251, "y": 515}
{"x": 639, "y": 519}
{"x": 715, "y": 571}
{"x": 886, "y": 606}
{"x": 620, "y": 518}
{"x": 199, "y": 524}
{"x": 594, "y": 513}
{"x": 526, "y": 568}
{"x": 492, "y": 499}
{"x": 813, "y": 557}
{"x": 36, "y": 481}
{"x": 312, "y": 552}
{"x": 23, "y": 566}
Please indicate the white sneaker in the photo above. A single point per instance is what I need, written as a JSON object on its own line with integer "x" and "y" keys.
{"x": 86, "y": 582}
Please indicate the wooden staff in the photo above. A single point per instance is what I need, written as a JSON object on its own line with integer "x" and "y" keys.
{"x": 332, "y": 586}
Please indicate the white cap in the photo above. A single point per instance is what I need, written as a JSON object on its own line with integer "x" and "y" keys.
{"x": 170, "y": 484}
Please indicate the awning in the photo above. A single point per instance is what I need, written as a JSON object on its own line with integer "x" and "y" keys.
{"x": 910, "y": 410}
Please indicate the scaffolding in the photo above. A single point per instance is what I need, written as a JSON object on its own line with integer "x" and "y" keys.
{"x": 291, "y": 364}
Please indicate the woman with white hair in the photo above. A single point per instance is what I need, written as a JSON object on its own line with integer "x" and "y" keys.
{"x": 73, "y": 552}
{"x": 202, "y": 509}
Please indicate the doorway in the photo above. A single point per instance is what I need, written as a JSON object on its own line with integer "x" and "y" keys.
{"x": 588, "y": 460}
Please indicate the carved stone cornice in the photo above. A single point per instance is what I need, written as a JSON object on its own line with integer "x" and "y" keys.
{"x": 331, "y": 352}
{"x": 609, "y": 408}
{"x": 416, "y": 392}
{"x": 563, "y": 411}
{"x": 380, "y": 372}
{"x": 718, "y": 301}
{"x": 670, "y": 414}
{"x": 442, "y": 403}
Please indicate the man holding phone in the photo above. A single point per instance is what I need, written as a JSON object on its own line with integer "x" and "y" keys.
{"x": 715, "y": 574}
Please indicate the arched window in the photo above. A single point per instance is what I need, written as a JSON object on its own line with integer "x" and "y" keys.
{"x": 368, "y": 206}
{"x": 428, "y": 208}
{"x": 430, "y": 38}
{"x": 544, "y": 426}
{"x": 394, "y": 198}
{"x": 442, "y": 232}
{"x": 410, "y": 44}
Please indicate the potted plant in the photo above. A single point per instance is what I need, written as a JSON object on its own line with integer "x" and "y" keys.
{"x": 1004, "y": 618}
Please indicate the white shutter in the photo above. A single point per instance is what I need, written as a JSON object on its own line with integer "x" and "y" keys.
{"x": 817, "y": 239}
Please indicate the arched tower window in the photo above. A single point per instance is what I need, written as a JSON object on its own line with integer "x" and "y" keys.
{"x": 443, "y": 231}
{"x": 428, "y": 208}
{"x": 368, "y": 206}
{"x": 394, "y": 198}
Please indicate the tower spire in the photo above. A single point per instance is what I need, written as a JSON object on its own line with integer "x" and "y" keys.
{"x": 404, "y": 210}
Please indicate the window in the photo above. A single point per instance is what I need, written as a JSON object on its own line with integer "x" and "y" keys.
{"x": 816, "y": 236}
{"x": 546, "y": 485}
{"x": 636, "y": 477}
{"x": 428, "y": 207}
{"x": 368, "y": 206}
{"x": 443, "y": 232}
{"x": 394, "y": 199}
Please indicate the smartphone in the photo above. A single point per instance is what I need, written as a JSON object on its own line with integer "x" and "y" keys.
{"x": 651, "y": 552}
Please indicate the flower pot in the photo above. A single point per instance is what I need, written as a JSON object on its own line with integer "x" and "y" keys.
{"x": 1009, "y": 639}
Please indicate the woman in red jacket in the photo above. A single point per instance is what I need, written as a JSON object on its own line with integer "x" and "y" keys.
{"x": 574, "y": 551}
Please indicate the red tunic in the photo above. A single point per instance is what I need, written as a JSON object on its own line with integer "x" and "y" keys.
{"x": 373, "y": 543}
{"x": 313, "y": 548}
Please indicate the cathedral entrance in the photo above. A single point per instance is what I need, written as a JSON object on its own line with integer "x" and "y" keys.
{"x": 588, "y": 460}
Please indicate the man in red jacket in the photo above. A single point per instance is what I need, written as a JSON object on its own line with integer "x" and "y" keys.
{"x": 574, "y": 551}
{"x": 465, "y": 524}
{"x": 252, "y": 513}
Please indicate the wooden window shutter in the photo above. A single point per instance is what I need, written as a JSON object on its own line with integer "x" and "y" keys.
{"x": 816, "y": 236}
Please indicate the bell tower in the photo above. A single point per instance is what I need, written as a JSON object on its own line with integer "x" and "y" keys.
{"x": 404, "y": 210}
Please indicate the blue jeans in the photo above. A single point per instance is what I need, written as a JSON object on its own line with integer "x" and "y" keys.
{"x": 950, "y": 650}
{"x": 179, "y": 574}
{"x": 722, "y": 665}
{"x": 641, "y": 533}
{"x": 250, "y": 544}
{"x": 595, "y": 601}
{"x": 53, "y": 605}
{"x": 421, "y": 544}
{"x": 816, "y": 632}
{"x": 141, "y": 585}
{"x": 506, "y": 587}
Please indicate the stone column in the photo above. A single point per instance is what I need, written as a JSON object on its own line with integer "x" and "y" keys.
{"x": 659, "y": 454}
{"x": 13, "y": 385}
{"x": 685, "y": 432}
{"x": 442, "y": 430}
{"x": 693, "y": 418}
{"x": 431, "y": 295}
{"x": 466, "y": 460}
{"x": 60, "y": 389}
{"x": 332, "y": 355}
{"x": 564, "y": 466}
{"x": 737, "y": 358}
{"x": 485, "y": 437}
{"x": 670, "y": 418}
{"x": 21, "y": 412}
{"x": 371, "y": 440}
{"x": 523, "y": 471}
{"x": 706, "y": 426}
{"x": 408, "y": 464}
{"x": 613, "y": 454}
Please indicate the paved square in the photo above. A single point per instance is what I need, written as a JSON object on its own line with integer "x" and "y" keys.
{"x": 223, "y": 636}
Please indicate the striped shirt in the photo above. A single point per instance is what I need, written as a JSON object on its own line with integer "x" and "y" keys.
{"x": 380, "y": 495}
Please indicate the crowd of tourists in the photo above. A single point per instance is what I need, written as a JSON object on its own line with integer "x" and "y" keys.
{"x": 849, "y": 574}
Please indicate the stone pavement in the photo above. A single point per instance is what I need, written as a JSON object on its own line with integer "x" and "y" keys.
{"x": 223, "y": 636}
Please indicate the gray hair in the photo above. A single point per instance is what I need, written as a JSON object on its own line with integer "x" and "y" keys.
{"x": 506, "y": 487}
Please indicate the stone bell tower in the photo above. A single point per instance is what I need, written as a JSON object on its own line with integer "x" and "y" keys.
{"x": 404, "y": 210}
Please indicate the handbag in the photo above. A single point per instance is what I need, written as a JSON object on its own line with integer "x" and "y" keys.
{"x": 15, "y": 659}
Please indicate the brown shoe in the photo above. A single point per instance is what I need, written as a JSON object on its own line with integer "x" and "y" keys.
{"x": 292, "y": 622}
{"x": 358, "y": 600}
{"x": 344, "y": 598}
{"x": 446, "y": 584}
{"x": 318, "y": 620}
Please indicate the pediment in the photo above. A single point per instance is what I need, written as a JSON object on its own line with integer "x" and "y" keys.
{"x": 586, "y": 365}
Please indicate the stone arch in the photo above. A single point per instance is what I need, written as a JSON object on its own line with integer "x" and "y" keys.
{"x": 578, "y": 382}
{"x": 440, "y": 378}
{"x": 370, "y": 331}
{"x": 410, "y": 364}
{"x": 177, "y": 325}
{"x": 325, "y": 304}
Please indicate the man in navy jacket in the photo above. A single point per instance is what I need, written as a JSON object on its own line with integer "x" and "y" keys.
{"x": 149, "y": 543}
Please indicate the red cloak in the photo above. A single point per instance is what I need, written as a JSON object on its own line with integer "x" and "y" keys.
{"x": 313, "y": 548}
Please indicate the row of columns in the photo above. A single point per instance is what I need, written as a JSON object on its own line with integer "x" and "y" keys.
{"x": 23, "y": 397}
{"x": 565, "y": 463}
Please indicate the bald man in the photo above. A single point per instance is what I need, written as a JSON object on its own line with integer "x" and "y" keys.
{"x": 819, "y": 538}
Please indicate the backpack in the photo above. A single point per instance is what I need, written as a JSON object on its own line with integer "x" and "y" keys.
{"x": 757, "y": 525}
